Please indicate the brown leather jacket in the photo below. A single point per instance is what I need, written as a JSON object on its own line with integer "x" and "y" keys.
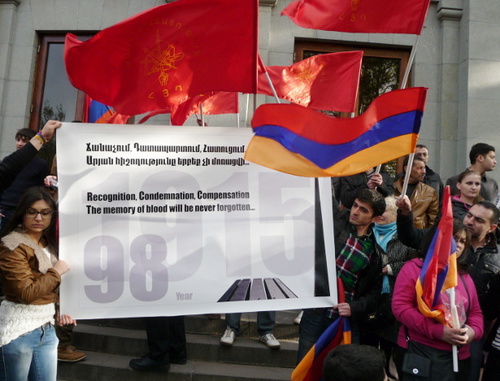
{"x": 26, "y": 271}
{"x": 424, "y": 203}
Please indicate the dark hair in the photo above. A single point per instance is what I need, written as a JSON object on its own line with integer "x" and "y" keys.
{"x": 458, "y": 226}
{"x": 421, "y": 146}
{"x": 25, "y": 132}
{"x": 374, "y": 199}
{"x": 493, "y": 208}
{"x": 354, "y": 362}
{"x": 462, "y": 262}
{"x": 31, "y": 196}
{"x": 479, "y": 149}
{"x": 415, "y": 158}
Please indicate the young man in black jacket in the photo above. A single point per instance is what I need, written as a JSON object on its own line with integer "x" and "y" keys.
{"x": 359, "y": 266}
{"x": 33, "y": 174}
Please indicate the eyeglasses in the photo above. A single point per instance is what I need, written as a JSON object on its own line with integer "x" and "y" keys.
{"x": 45, "y": 214}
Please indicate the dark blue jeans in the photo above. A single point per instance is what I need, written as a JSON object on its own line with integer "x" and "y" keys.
{"x": 265, "y": 322}
{"x": 313, "y": 323}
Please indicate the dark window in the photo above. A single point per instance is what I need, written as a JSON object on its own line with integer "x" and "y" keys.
{"x": 54, "y": 97}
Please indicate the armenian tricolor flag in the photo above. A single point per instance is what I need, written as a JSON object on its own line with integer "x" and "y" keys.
{"x": 97, "y": 112}
{"x": 303, "y": 142}
{"x": 439, "y": 271}
{"x": 338, "y": 333}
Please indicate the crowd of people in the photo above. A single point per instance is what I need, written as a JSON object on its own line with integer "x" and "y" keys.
{"x": 380, "y": 255}
{"x": 381, "y": 234}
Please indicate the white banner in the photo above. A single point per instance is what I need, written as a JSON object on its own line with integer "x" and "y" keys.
{"x": 158, "y": 221}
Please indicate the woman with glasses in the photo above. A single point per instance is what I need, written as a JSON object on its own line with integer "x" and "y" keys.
{"x": 31, "y": 275}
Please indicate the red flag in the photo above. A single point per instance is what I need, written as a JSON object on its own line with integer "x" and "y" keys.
{"x": 323, "y": 82}
{"x": 360, "y": 16}
{"x": 169, "y": 53}
{"x": 216, "y": 102}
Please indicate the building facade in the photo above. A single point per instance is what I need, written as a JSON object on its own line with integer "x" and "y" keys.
{"x": 456, "y": 57}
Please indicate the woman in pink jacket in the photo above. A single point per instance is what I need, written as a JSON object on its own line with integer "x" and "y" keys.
{"x": 426, "y": 336}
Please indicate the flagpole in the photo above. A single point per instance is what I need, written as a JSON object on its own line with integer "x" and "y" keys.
{"x": 202, "y": 116}
{"x": 261, "y": 63}
{"x": 272, "y": 86}
{"x": 410, "y": 63}
{"x": 456, "y": 324}
{"x": 246, "y": 109}
{"x": 407, "y": 174}
{"x": 238, "y": 113}
{"x": 403, "y": 85}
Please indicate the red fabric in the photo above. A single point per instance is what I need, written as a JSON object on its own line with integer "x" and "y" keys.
{"x": 360, "y": 16}
{"x": 217, "y": 102}
{"x": 322, "y": 82}
{"x": 169, "y": 53}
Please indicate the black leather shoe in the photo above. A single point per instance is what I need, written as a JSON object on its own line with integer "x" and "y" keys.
{"x": 178, "y": 358}
{"x": 146, "y": 363}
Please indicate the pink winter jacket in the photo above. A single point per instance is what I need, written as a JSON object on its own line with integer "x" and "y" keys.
{"x": 426, "y": 330}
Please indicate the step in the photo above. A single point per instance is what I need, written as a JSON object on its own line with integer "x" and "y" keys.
{"x": 200, "y": 347}
{"x": 111, "y": 367}
{"x": 284, "y": 327}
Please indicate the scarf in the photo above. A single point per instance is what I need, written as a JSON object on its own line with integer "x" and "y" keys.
{"x": 384, "y": 233}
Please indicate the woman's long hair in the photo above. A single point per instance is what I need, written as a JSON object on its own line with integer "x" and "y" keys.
{"x": 31, "y": 196}
{"x": 458, "y": 228}
{"x": 462, "y": 261}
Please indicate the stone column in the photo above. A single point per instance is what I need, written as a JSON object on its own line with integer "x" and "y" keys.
{"x": 8, "y": 9}
{"x": 449, "y": 13}
{"x": 480, "y": 66}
